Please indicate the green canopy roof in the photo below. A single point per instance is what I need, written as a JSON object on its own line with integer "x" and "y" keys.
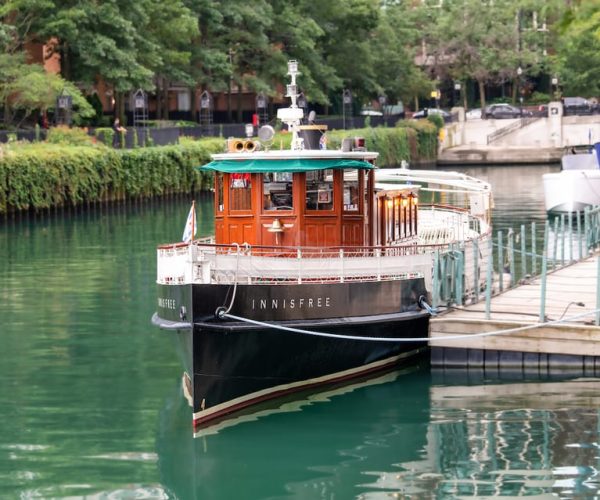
{"x": 261, "y": 165}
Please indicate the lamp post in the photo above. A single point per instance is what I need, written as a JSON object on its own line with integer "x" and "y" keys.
{"x": 457, "y": 87}
{"x": 555, "y": 86}
{"x": 519, "y": 73}
{"x": 382, "y": 101}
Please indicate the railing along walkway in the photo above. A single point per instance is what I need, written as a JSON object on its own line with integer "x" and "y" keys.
{"x": 509, "y": 129}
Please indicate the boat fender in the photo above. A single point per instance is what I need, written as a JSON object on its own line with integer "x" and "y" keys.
{"x": 424, "y": 305}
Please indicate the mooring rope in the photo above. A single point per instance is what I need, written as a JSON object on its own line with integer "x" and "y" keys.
{"x": 221, "y": 311}
{"x": 223, "y": 314}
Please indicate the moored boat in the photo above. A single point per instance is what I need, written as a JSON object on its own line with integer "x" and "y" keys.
{"x": 316, "y": 274}
{"x": 577, "y": 185}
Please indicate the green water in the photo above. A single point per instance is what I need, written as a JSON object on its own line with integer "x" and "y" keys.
{"x": 91, "y": 407}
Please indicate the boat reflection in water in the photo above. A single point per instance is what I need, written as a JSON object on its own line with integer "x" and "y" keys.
{"x": 403, "y": 435}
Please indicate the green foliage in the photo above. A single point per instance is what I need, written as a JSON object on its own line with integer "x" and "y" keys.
{"x": 42, "y": 176}
{"x": 105, "y": 135}
{"x": 578, "y": 49}
{"x": 539, "y": 98}
{"x": 68, "y": 136}
{"x": 393, "y": 144}
{"x": 437, "y": 120}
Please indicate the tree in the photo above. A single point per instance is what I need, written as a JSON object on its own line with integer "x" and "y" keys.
{"x": 393, "y": 47}
{"x": 578, "y": 49}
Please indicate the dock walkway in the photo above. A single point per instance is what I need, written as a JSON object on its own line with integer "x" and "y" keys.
{"x": 566, "y": 338}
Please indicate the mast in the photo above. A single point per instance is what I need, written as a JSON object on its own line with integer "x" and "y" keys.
{"x": 293, "y": 115}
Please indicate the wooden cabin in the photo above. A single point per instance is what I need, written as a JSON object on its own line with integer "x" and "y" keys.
{"x": 330, "y": 207}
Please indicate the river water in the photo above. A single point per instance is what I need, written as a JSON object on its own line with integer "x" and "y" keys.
{"x": 91, "y": 406}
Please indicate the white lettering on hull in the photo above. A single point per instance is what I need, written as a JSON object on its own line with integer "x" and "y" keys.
{"x": 167, "y": 303}
{"x": 296, "y": 303}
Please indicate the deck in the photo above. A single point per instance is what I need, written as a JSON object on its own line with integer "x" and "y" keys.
{"x": 567, "y": 337}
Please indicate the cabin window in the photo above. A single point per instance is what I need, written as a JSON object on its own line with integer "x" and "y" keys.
{"x": 219, "y": 191}
{"x": 319, "y": 190}
{"x": 397, "y": 218}
{"x": 351, "y": 190}
{"x": 277, "y": 191}
{"x": 240, "y": 192}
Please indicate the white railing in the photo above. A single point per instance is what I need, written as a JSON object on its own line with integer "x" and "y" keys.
{"x": 196, "y": 263}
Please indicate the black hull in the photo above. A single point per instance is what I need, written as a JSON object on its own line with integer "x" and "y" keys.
{"x": 234, "y": 365}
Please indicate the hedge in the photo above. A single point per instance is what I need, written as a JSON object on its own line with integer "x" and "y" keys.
{"x": 43, "y": 175}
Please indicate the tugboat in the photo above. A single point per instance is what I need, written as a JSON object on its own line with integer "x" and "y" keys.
{"x": 314, "y": 276}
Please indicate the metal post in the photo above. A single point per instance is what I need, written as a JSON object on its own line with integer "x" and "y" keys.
{"x": 488, "y": 281}
{"x": 435, "y": 293}
{"x": 571, "y": 238}
{"x": 523, "y": 255}
{"x": 562, "y": 239}
{"x": 586, "y": 228}
{"x": 511, "y": 256}
{"x": 579, "y": 242}
{"x": 475, "y": 271}
{"x": 460, "y": 275}
{"x": 554, "y": 255}
{"x": 500, "y": 262}
{"x": 544, "y": 276}
{"x": 598, "y": 292}
{"x": 533, "y": 251}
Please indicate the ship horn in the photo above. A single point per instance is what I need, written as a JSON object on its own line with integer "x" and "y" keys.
{"x": 249, "y": 146}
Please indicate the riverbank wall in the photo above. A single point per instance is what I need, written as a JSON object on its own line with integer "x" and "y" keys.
{"x": 532, "y": 140}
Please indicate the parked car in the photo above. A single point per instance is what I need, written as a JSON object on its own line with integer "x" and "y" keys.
{"x": 577, "y": 106}
{"x": 503, "y": 110}
{"x": 473, "y": 114}
{"x": 434, "y": 111}
{"x": 370, "y": 112}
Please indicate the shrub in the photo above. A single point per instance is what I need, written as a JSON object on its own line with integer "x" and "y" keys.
{"x": 105, "y": 134}
{"x": 68, "y": 136}
{"x": 437, "y": 120}
{"x": 46, "y": 175}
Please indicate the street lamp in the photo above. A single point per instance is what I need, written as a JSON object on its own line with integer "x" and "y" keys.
{"x": 519, "y": 73}
{"x": 457, "y": 87}
{"x": 555, "y": 86}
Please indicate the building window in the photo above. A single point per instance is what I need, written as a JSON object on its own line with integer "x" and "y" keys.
{"x": 183, "y": 100}
{"x": 319, "y": 190}
{"x": 277, "y": 191}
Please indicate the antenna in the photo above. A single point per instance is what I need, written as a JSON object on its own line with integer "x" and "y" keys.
{"x": 293, "y": 115}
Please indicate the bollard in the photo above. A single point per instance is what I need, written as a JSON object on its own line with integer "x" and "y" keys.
{"x": 488, "y": 281}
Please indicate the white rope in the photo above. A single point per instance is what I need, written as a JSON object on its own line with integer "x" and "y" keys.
{"x": 413, "y": 339}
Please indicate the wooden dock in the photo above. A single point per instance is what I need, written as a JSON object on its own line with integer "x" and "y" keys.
{"x": 565, "y": 338}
